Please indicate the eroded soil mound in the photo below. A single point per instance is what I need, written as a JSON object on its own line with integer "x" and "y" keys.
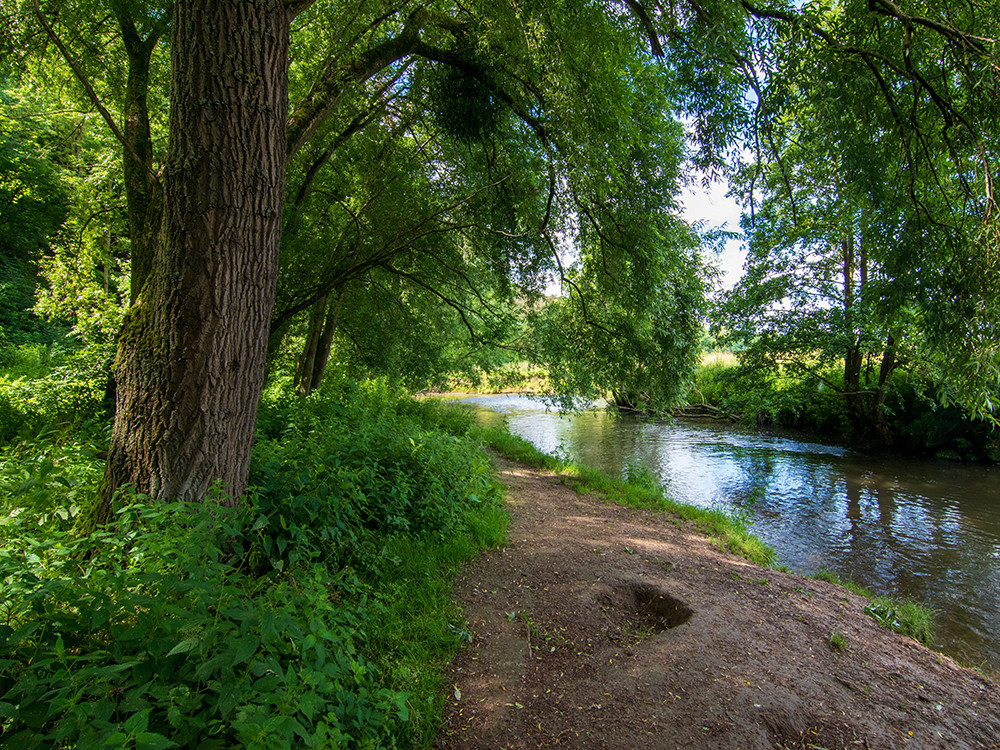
{"x": 607, "y": 627}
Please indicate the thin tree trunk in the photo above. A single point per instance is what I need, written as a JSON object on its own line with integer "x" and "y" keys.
{"x": 143, "y": 191}
{"x": 190, "y": 362}
{"x": 853, "y": 358}
{"x": 325, "y": 342}
{"x": 880, "y": 427}
{"x": 307, "y": 360}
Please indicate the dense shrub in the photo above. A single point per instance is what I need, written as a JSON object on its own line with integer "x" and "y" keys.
{"x": 354, "y": 467}
{"x": 48, "y": 388}
{"x": 315, "y": 615}
{"x": 763, "y": 399}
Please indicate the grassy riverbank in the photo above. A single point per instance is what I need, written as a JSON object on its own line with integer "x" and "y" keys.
{"x": 639, "y": 489}
{"x": 601, "y": 625}
{"x": 515, "y": 377}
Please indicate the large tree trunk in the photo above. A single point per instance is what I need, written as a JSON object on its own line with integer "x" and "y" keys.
{"x": 190, "y": 362}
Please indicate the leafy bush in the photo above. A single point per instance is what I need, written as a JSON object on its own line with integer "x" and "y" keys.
{"x": 151, "y": 636}
{"x": 357, "y": 468}
{"x": 316, "y": 615}
{"x": 47, "y": 388}
{"x": 18, "y": 325}
{"x": 924, "y": 425}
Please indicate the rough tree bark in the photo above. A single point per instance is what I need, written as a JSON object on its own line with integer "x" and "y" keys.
{"x": 190, "y": 361}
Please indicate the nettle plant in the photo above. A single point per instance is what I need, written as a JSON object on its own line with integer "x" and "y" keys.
{"x": 152, "y": 635}
{"x": 286, "y": 622}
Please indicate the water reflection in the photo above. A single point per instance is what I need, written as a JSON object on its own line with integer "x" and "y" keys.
{"x": 927, "y": 530}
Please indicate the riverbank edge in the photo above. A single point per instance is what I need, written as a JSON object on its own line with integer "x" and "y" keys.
{"x": 641, "y": 489}
{"x": 599, "y": 625}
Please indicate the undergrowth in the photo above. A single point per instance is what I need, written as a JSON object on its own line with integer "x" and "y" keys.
{"x": 317, "y": 614}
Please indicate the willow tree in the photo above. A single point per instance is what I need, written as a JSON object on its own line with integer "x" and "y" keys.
{"x": 828, "y": 217}
{"x": 497, "y": 138}
{"x": 191, "y": 356}
{"x": 918, "y": 83}
{"x": 206, "y": 222}
{"x": 442, "y": 237}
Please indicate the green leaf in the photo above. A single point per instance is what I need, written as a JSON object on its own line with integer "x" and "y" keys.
{"x": 245, "y": 648}
{"x": 21, "y": 633}
{"x": 118, "y": 739}
{"x": 228, "y": 701}
{"x": 137, "y": 723}
{"x": 188, "y": 644}
{"x": 112, "y": 669}
{"x": 152, "y": 741}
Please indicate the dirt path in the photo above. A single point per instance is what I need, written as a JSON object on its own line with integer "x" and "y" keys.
{"x": 607, "y": 627}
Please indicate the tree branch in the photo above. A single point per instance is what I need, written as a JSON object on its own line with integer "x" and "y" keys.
{"x": 295, "y": 7}
{"x": 313, "y": 110}
{"x": 647, "y": 25}
{"x": 81, "y": 76}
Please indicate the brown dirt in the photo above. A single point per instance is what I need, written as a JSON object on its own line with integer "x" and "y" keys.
{"x": 606, "y": 627}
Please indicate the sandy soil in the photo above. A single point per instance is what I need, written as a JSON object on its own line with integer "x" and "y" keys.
{"x": 606, "y": 627}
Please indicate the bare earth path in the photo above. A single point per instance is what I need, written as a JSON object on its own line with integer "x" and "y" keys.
{"x": 607, "y": 627}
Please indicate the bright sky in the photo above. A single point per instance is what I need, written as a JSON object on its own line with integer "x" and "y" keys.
{"x": 713, "y": 207}
{"x": 699, "y": 204}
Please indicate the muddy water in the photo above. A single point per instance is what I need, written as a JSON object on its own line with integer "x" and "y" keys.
{"x": 928, "y": 530}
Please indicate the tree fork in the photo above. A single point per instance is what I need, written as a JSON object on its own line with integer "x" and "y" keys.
{"x": 190, "y": 361}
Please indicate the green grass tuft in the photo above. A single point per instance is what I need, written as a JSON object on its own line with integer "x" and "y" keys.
{"x": 907, "y": 617}
{"x": 838, "y": 641}
{"x": 831, "y": 577}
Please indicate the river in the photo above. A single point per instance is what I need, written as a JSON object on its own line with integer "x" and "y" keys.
{"x": 909, "y": 528}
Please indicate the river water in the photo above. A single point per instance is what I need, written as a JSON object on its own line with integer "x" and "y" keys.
{"x": 926, "y": 530}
